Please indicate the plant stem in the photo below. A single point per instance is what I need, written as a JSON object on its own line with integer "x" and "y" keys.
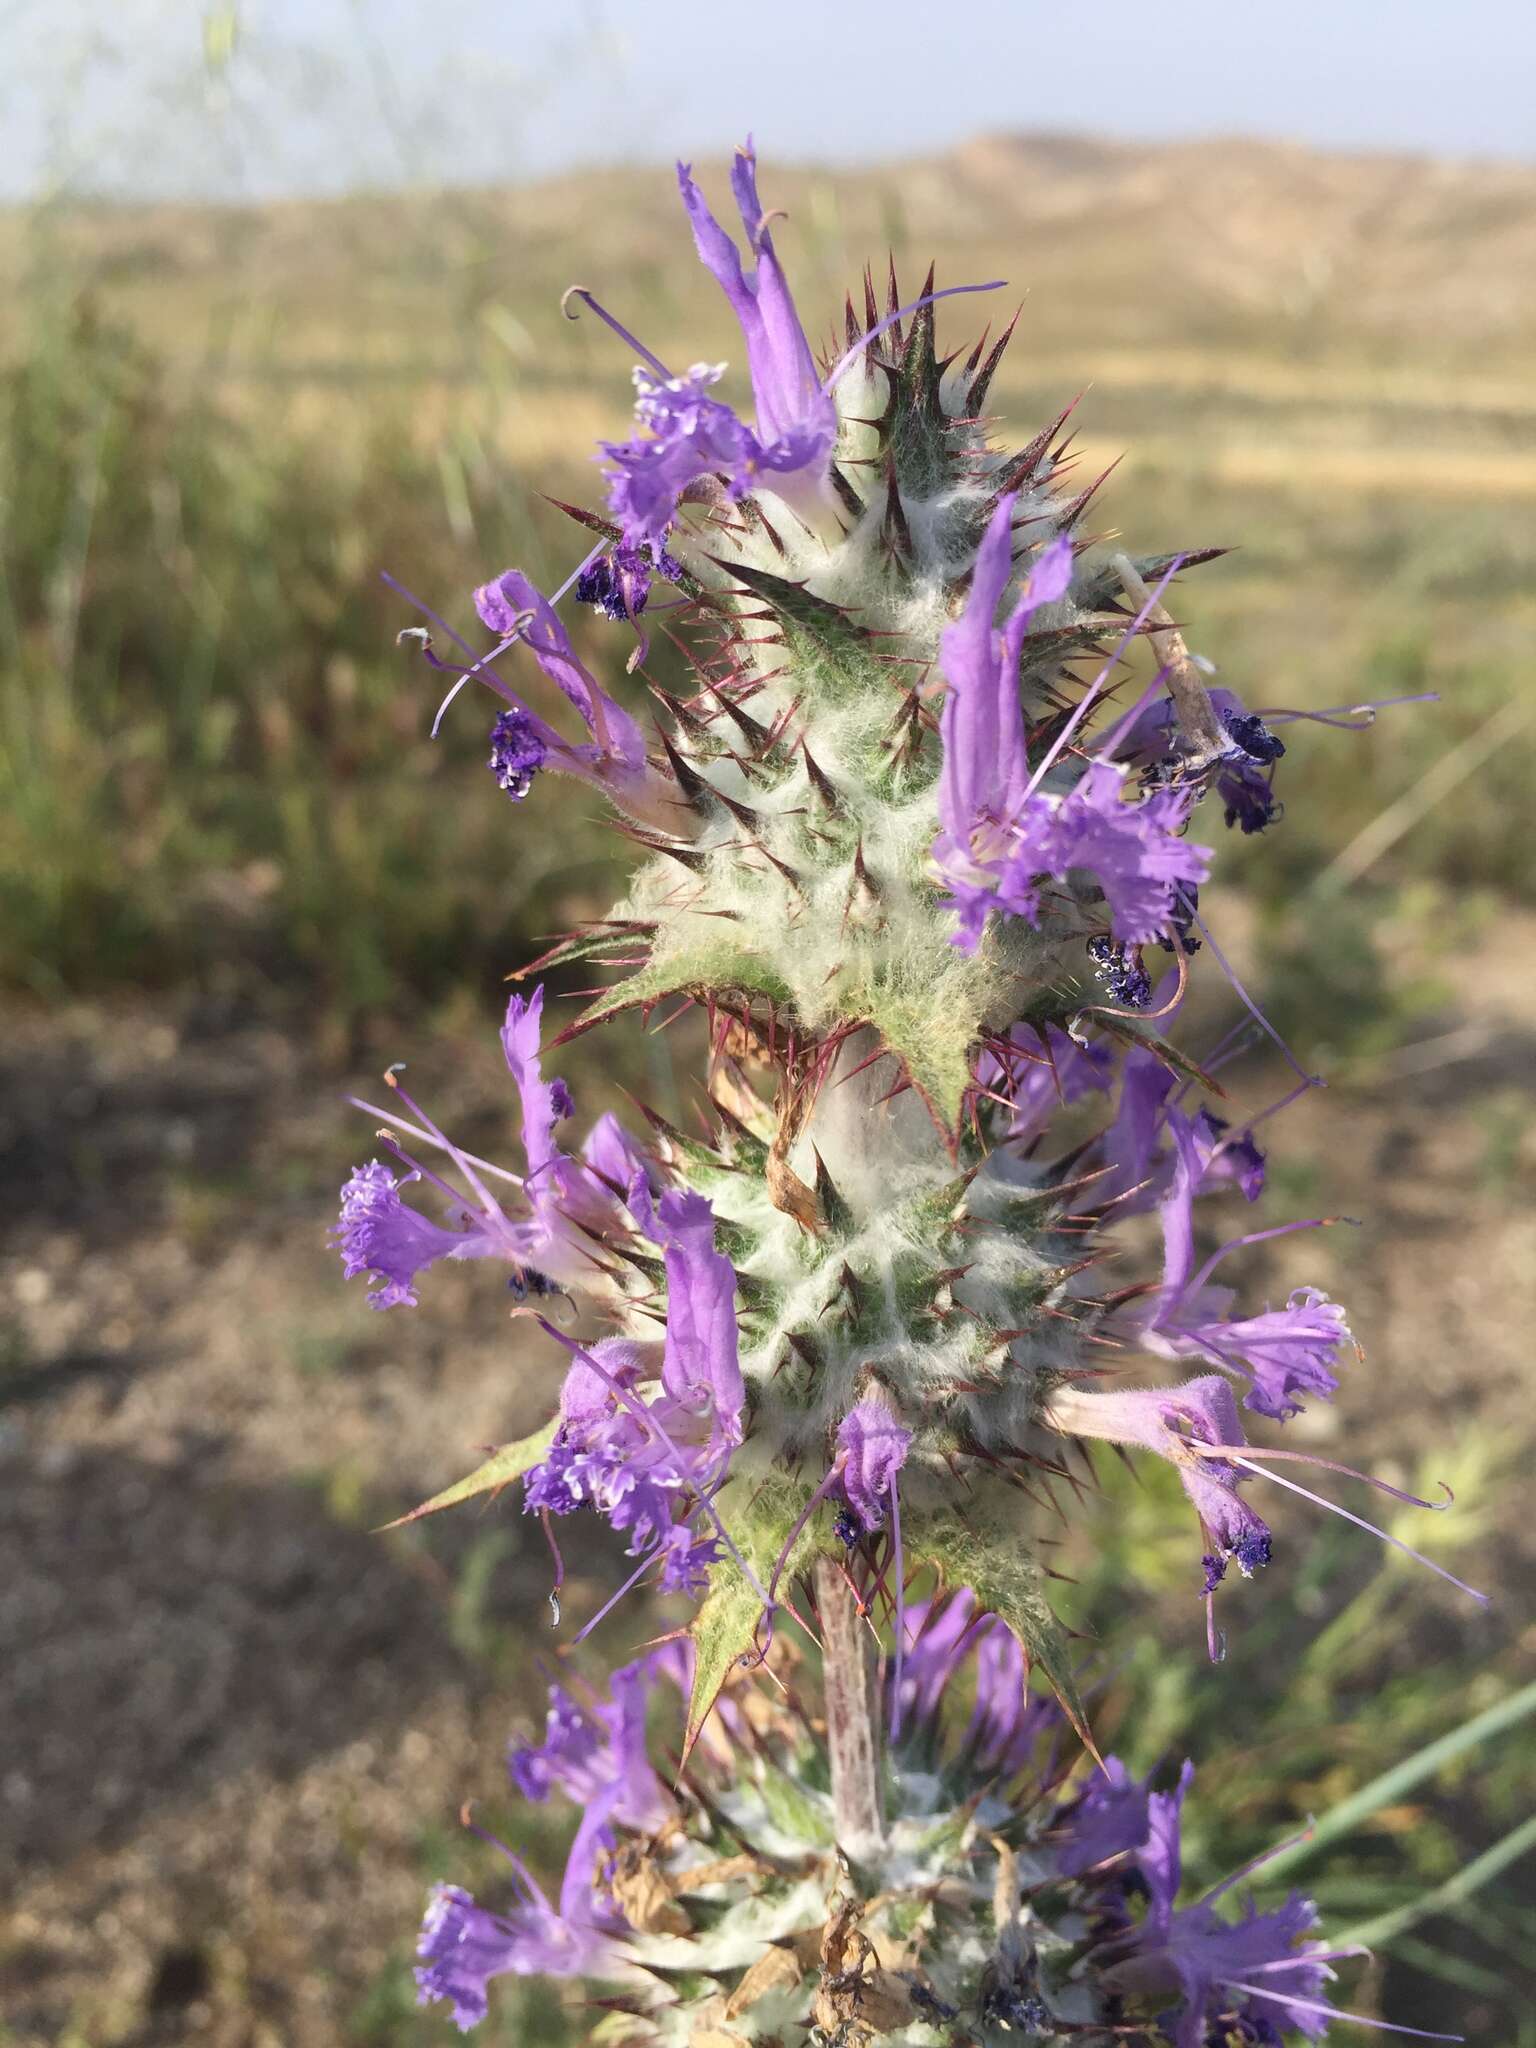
{"x": 853, "y": 1713}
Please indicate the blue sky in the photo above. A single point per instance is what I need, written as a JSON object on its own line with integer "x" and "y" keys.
{"x": 263, "y": 97}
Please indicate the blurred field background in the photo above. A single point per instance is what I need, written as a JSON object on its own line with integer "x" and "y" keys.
{"x": 238, "y": 878}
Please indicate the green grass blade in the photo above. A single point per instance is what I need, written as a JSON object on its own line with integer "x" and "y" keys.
{"x": 1452, "y": 1969}
{"x": 1470, "y": 1879}
{"x": 1413, "y": 1770}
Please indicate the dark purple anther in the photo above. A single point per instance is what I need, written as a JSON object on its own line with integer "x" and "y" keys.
{"x": 1121, "y": 972}
{"x": 1250, "y": 732}
{"x": 1181, "y": 921}
{"x": 1250, "y": 802}
{"x": 1252, "y": 1550}
{"x": 517, "y": 753}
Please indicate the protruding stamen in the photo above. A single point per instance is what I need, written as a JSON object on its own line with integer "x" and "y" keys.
{"x": 1311, "y": 1080}
{"x": 580, "y": 291}
{"x": 1319, "y": 1500}
{"x": 899, "y": 313}
{"x": 1331, "y": 2012}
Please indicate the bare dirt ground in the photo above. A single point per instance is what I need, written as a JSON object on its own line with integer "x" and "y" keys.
{"x": 231, "y": 1713}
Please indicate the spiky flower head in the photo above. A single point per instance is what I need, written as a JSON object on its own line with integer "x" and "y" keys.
{"x": 1011, "y": 1894}
{"x": 928, "y": 863}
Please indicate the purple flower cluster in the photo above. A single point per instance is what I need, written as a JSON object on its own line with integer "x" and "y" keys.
{"x": 562, "y": 1210}
{"x": 1113, "y": 1848}
{"x": 1118, "y": 1841}
{"x": 1244, "y": 1979}
{"x": 687, "y": 434}
{"x": 598, "y": 1760}
{"x": 948, "y": 1642}
{"x": 648, "y": 1466}
{"x": 1005, "y": 834}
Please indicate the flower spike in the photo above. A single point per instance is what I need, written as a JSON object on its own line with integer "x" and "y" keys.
{"x": 924, "y": 834}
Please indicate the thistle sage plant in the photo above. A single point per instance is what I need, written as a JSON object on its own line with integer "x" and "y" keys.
{"x": 927, "y": 863}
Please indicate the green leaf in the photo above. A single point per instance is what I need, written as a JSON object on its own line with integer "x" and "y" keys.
{"x": 989, "y": 1557}
{"x": 725, "y": 1627}
{"x": 722, "y": 1632}
{"x": 721, "y": 969}
{"x": 937, "y": 1061}
{"x": 1102, "y": 587}
{"x": 789, "y": 1808}
{"x": 828, "y": 624}
{"x": 499, "y": 1470}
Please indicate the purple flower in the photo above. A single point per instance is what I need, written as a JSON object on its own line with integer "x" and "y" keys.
{"x": 1037, "y": 1087}
{"x": 648, "y": 1467}
{"x": 689, "y": 434}
{"x": 1175, "y": 1422}
{"x": 786, "y": 390}
{"x": 1112, "y": 1816}
{"x": 569, "y": 1758}
{"x": 613, "y": 758}
{"x": 686, "y": 1560}
{"x": 872, "y": 1446}
{"x": 1006, "y": 1721}
{"x": 381, "y": 1235}
{"x": 568, "y": 1204}
{"x": 618, "y": 584}
{"x": 1162, "y": 1860}
{"x": 1132, "y": 851}
{"x": 1120, "y": 970}
{"x": 1132, "y": 1150}
{"x": 604, "y": 1456}
{"x": 599, "y": 1761}
{"x": 1283, "y": 1352}
{"x": 1252, "y": 1972}
{"x": 1248, "y": 796}
{"x": 1236, "y": 1160}
{"x": 939, "y": 1641}
{"x": 1196, "y": 1428}
{"x": 612, "y": 1155}
{"x": 1130, "y": 1146}
{"x": 700, "y": 1370}
{"x": 985, "y": 773}
{"x": 636, "y": 1796}
{"x": 461, "y": 1948}
{"x": 1153, "y": 740}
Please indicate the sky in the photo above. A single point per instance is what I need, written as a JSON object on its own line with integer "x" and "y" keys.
{"x": 264, "y": 98}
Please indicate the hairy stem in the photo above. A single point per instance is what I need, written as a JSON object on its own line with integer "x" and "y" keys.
{"x": 853, "y": 1713}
